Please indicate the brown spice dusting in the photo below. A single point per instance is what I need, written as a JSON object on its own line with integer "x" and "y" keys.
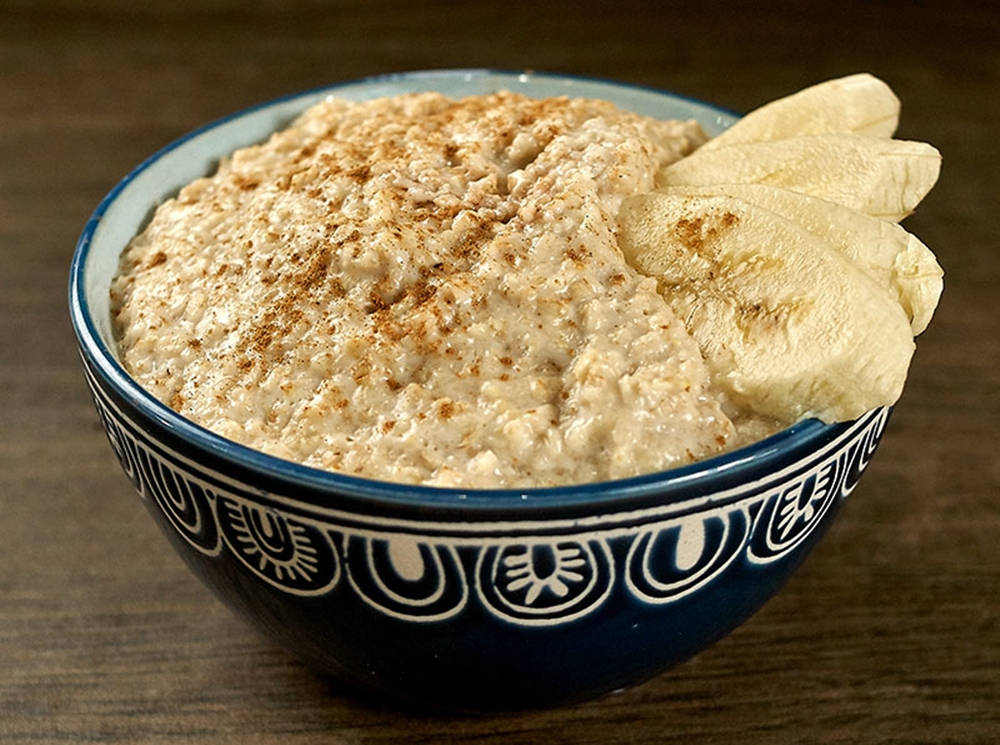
{"x": 376, "y": 302}
{"x": 361, "y": 371}
{"x": 616, "y": 279}
{"x": 422, "y": 291}
{"x": 286, "y": 311}
{"x": 360, "y": 174}
{"x": 506, "y": 361}
{"x": 156, "y": 259}
{"x": 446, "y": 410}
{"x": 245, "y": 183}
{"x": 689, "y": 232}
{"x": 472, "y": 242}
{"x": 262, "y": 335}
{"x": 394, "y": 385}
{"x": 694, "y": 232}
{"x": 176, "y": 402}
{"x": 385, "y": 324}
{"x": 388, "y": 425}
{"x": 504, "y": 377}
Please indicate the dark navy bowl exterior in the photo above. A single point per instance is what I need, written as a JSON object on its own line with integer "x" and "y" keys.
{"x": 496, "y": 609}
{"x": 469, "y": 600}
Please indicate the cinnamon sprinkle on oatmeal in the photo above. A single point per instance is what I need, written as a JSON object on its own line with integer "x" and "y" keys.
{"x": 387, "y": 288}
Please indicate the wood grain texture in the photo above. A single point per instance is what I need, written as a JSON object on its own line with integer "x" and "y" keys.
{"x": 890, "y": 633}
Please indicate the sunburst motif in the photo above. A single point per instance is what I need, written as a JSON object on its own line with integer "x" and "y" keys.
{"x": 520, "y": 572}
{"x": 274, "y": 545}
{"x": 801, "y": 505}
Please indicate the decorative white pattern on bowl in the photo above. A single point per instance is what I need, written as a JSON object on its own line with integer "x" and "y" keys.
{"x": 531, "y": 572}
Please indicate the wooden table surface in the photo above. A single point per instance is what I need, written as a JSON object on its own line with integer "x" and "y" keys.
{"x": 890, "y": 633}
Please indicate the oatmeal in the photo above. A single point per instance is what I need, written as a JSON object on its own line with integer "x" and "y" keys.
{"x": 425, "y": 290}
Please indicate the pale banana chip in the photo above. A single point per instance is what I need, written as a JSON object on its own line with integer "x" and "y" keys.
{"x": 789, "y": 326}
{"x": 888, "y": 254}
{"x": 857, "y": 104}
{"x": 882, "y": 178}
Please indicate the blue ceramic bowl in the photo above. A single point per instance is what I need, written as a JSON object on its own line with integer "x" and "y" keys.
{"x": 460, "y": 599}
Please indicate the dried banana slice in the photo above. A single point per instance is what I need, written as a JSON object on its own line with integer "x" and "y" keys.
{"x": 789, "y": 326}
{"x": 857, "y": 104}
{"x": 882, "y": 178}
{"x": 885, "y": 252}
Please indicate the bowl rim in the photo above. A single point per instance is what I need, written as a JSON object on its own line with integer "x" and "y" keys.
{"x": 674, "y": 484}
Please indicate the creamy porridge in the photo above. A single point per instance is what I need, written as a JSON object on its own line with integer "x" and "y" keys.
{"x": 425, "y": 290}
